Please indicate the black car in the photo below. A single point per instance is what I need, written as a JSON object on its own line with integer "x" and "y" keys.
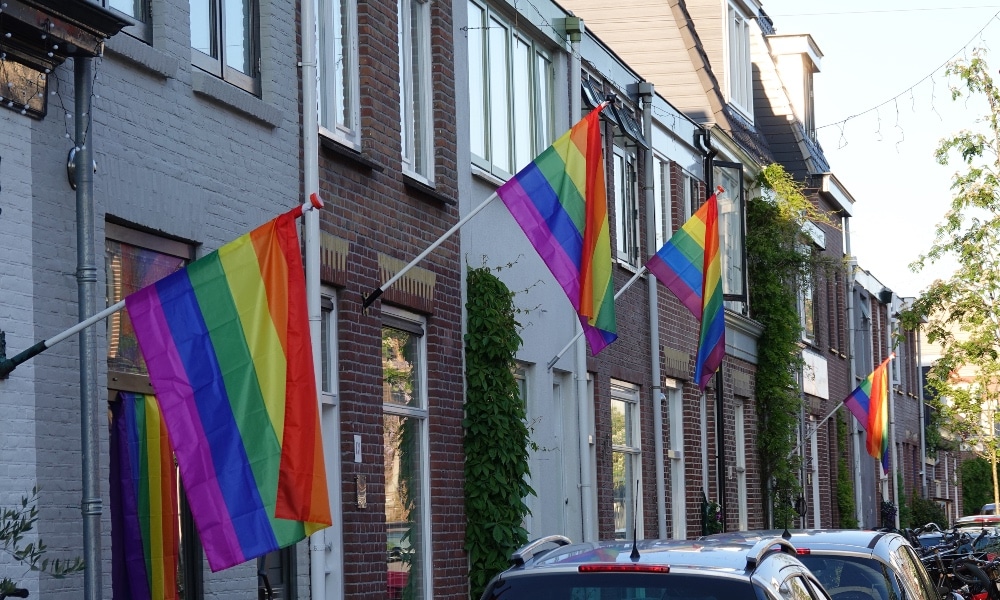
{"x": 553, "y": 568}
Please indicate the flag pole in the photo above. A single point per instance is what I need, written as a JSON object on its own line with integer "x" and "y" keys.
{"x": 7, "y": 365}
{"x": 569, "y": 344}
{"x": 374, "y": 295}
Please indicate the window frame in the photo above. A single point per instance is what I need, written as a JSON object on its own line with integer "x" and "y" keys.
{"x": 738, "y": 61}
{"x": 140, "y": 18}
{"x": 218, "y": 65}
{"x": 628, "y": 244}
{"x": 348, "y": 131}
{"x": 732, "y": 235}
{"x": 663, "y": 221}
{"x": 522, "y": 139}
{"x": 678, "y": 480}
{"x": 631, "y": 452}
{"x": 402, "y": 320}
{"x": 416, "y": 113}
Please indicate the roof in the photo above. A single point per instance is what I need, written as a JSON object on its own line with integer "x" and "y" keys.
{"x": 853, "y": 540}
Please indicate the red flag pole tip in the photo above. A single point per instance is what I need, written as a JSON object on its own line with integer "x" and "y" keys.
{"x": 314, "y": 203}
{"x": 720, "y": 189}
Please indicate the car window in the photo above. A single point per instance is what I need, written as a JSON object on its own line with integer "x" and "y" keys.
{"x": 915, "y": 575}
{"x": 621, "y": 586}
{"x": 853, "y": 578}
{"x": 795, "y": 588}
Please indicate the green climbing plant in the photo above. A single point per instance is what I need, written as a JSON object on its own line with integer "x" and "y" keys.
{"x": 496, "y": 435}
{"x": 777, "y": 267}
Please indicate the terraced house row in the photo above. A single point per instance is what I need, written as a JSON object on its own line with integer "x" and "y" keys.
{"x": 141, "y": 135}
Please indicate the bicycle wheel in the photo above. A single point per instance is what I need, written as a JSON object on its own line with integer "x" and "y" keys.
{"x": 978, "y": 581}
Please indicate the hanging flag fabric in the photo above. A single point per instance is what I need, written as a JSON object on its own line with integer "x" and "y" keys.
{"x": 869, "y": 403}
{"x": 560, "y": 201}
{"x": 690, "y": 266}
{"x": 144, "y": 534}
{"x": 226, "y": 342}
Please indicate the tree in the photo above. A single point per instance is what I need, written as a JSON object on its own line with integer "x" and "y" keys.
{"x": 962, "y": 313}
{"x": 15, "y": 524}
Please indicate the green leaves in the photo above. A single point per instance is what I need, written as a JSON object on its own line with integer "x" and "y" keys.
{"x": 15, "y": 524}
{"x": 496, "y": 435}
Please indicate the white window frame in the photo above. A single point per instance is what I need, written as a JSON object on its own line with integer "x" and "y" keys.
{"x": 329, "y": 396}
{"x": 511, "y": 102}
{"x": 692, "y": 199}
{"x": 731, "y": 236}
{"x": 739, "y": 69}
{"x": 420, "y": 414}
{"x": 678, "y": 481}
{"x": 631, "y": 451}
{"x": 662, "y": 213}
{"x": 214, "y": 59}
{"x": 743, "y": 517}
{"x": 627, "y": 242}
{"x": 417, "y": 126}
{"x": 338, "y": 75}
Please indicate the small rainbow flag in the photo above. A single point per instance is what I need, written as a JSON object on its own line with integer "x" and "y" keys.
{"x": 560, "y": 201}
{"x": 869, "y": 403}
{"x": 226, "y": 341}
{"x": 144, "y": 526}
{"x": 689, "y": 265}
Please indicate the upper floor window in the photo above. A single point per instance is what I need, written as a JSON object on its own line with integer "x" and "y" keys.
{"x": 138, "y": 12}
{"x": 626, "y": 207}
{"x": 337, "y": 54}
{"x": 415, "y": 88}
{"x": 740, "y": 73}
{"x": 510, "y": 89}
{"x": 731, "y": 233}
{"x": 662, "y": 203}
{"x": 692, "y": 199}
{"x": 224, "y": 39}
{"x": 807, "y": 306}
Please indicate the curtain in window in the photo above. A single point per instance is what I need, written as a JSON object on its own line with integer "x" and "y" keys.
{"x": 144, "y": 516}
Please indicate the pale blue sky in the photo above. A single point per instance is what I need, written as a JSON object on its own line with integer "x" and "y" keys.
{"x": 890, "y": 54}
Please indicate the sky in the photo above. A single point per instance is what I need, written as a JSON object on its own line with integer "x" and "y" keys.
{"x": 882, "y": 104}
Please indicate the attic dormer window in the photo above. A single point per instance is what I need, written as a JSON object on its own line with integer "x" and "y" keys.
{"x": 739, "y": 71}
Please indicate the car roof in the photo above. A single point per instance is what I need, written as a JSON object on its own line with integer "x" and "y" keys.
{"x": 855, "y": 541}
{"x": 974, "y": 520}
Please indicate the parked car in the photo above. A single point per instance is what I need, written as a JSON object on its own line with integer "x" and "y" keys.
{"x": 555, "y": 568}
{"x": 855, "y": 564}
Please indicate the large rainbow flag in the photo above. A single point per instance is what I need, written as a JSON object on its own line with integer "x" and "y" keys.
{"x": 869, "y": 403}
{"x": 690, "y": 266}
{"x": 226, "y": 341}
{"x": 560, "y": 201}
{"x": 144, "y": 525}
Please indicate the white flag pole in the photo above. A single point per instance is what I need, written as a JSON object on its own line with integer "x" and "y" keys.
{"x": 569, "y": 344}
{"x": 370, "y": 298}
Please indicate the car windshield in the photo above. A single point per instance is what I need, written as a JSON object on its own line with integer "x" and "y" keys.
{"x": 621, "y": 586}
{"x": 853, "y": 578}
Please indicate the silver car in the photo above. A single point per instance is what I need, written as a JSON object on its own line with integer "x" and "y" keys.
{"x": 766, "y": 569}
{"x": 856, "y": 565}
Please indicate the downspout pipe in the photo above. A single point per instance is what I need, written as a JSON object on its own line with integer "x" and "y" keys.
{"x": 319, "y": 545}
{"x": 86, "y": 279}
{"x": 893, "y": 455}
{"x": 646, "y": 96}
{"x": 923, "y": 400}
{"x": 703, "y": 137}
{"x": 575, "y": 29}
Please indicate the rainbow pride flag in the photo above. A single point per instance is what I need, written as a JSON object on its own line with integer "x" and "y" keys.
{"x": 869, "y": 403}
{"x": 690, "y": 266}
{"x": 226, "y": 341}
{"x": 560, "y": 201}
{"x": 144, "y": 525}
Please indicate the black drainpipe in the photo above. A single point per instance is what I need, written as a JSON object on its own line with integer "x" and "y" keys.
{"x": 703, "y": 137}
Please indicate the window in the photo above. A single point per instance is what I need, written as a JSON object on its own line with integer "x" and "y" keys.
{"x": 807, "y": 306}
{"x": 692, "y": 197}
{"x": 743, "y": 517}
{"x": 626, "y": 207}
{"x": 661, "y": 206}
{"x": 224, "y": 39}
{"x": 626, "y": 467}
{"x": 406, "y": 455}
{"x": 415, "y": 88}
{"x": 138, "y": 12}
{"x": 740, "y": 74}
{"x": 510, "y": 89}
{"x": 337, "y": 55}
{"x": 731, "y": 230}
